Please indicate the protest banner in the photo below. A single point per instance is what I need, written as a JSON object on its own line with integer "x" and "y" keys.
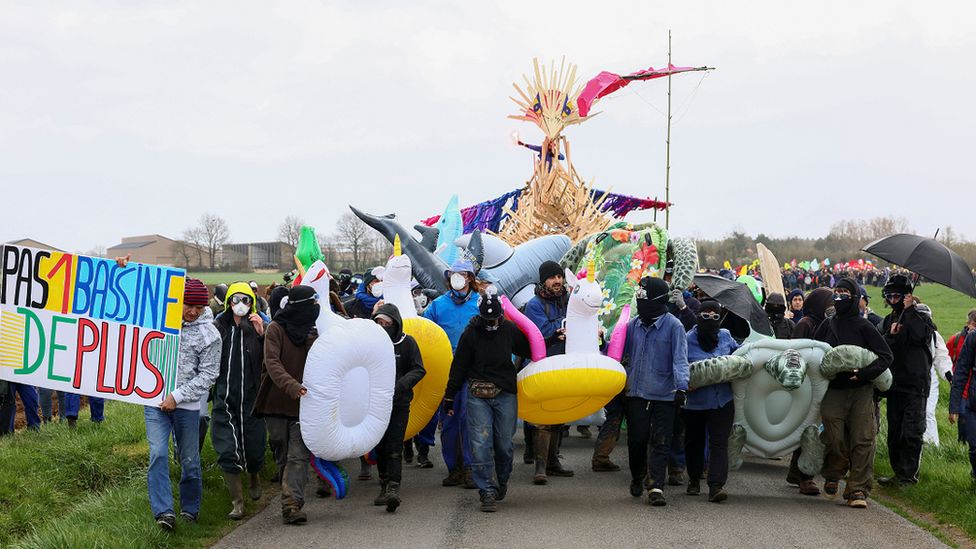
{"x": 85, "y": 325}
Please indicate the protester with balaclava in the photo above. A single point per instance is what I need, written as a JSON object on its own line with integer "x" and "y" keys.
{"x": 908, "y": 334}
{"x": 369, "y": 292}
{"x": 287, "y": 341}
{"x": 776, "y": 312}
{"x": 345, "y": 282}
{"x": 547, "y": 310}
{"x": 453, "y": 312}
{"x": 483, "y": 366}
{"x": 409, "y": 372}
{"x": 848, "y": 406}
{"x": 709, "y": 411}
{"x": 656, "y": 360}
{"x": 277, "y": 300}
{"x": 795, "y": 301}
{"x": 237, "y": 436}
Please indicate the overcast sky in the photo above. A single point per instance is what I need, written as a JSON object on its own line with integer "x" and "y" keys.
{"x": 122, "y": 118}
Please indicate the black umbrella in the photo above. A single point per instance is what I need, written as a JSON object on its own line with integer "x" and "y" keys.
{"x": 737, "y": 298}
{"x": 926, "y": 257}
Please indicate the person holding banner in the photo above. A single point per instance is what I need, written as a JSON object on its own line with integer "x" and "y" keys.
{"x": 179, "y": 413}
{"x": 237, "y": 436}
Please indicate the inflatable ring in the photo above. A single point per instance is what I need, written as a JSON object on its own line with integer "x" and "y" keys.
{"x": 349, "y": 375}
{"x": 566, "y": 388}
{"x": 435, "y": 349}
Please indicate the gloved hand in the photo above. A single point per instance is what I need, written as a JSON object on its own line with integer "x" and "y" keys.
{"x": 680, "y": 397}
{"x": 447, "y": 407}
{"x": 678, "y": 298}
{"x": 948, "y": 376}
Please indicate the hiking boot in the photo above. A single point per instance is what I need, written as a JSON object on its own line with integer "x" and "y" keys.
{"x": 584, "y": 431}
{"x": 365, "y": 471}
{"x": 166, "y": 521}
{"x": 382, "y": 497}
{"x": 694, "y": 487}
{"x": 188, "y": 517}
{"x": 676, "y": 477}
{"x": 793, "y": 478}
{"x": 656, "y": 498}
{"x": 716, "y": 494}
{"x": 557, "y": 470}
{"x": 637, "y": 487}
{"x": 604, "y": 466}
{"x": 469, "y": 480}
{"x": 254, "y": 486}
{"x": 293, "y": 515}
{"x": 488, "y": 503}
{"x": 830, "y": 488}
{"x": 888, "y": 481}
{"x": 502, "y": 492}
{"x": 858, "y": 500}
{"x": 454, "y": 478}
{"x": 392, "y": 497}
{"x": 408, "y": 452}
{"x": 809, "y": 488}
{"x": 423, "y": 457}
{"x": 236, "y": 491}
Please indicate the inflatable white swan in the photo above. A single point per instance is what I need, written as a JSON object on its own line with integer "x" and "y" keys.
{"x": 349, "y": 375}
{"x": 435, "y": 347}
{"x": 569, "y": 387}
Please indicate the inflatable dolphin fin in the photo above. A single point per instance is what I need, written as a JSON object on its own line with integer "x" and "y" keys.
{"x": 428, "y": 236}
{"x": 428, "y": 269}
{"x": 477, "y": 249}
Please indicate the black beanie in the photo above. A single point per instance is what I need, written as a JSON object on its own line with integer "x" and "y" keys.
{"x": 490, "y": 307}
{"x": 548, "y": 270}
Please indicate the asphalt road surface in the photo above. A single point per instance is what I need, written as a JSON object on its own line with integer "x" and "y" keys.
{"x": 589, "y": 510}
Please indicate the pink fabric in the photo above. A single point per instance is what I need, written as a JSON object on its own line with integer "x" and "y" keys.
{"x": 606, "y": 83}
{"x": 537, "y": 344}
{"x": 615, "y": 349}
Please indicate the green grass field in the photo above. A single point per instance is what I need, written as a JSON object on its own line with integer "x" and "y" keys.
{"x": 945, "y": 490}
{"x": 211, "y": 279}
{"x": 87, "y": 488}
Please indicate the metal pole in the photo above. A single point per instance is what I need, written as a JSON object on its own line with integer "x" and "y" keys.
{"x": 667, "y": 149}
{"x": 655, "y": 209}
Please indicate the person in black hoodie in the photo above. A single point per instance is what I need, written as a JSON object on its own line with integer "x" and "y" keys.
{"x": 909, "y": 334}
{"x": 776, "y": 311}
{"x": 483, "y": 360}
{"x": 409, "y": 372}
{"x": 848, "y": 406}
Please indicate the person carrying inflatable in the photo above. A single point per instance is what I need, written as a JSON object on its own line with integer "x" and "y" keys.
{"x": 409, "y": 372}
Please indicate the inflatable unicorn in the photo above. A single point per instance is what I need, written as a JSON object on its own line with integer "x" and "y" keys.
{"x": 349, "y": 376}
{"x": 435, "y": 347}
{"x": 569, "y": 387}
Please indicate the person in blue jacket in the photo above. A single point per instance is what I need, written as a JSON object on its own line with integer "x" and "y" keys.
{"x": 656, "y": 361}
{"x": 452, "y": 312}
{"x": 709, "y": 409}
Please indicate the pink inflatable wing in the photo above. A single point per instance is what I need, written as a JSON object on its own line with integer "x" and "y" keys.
{"x": 537, "y": 344}
{"x": 615, "y": 349}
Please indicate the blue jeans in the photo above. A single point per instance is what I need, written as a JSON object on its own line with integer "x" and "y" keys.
{"x": 491, "y": 429}
{"x": 185, "y": 424}
{"x": 47, "y": 406}
{"x": 454, "y": 433}
{"x": 28, "y": 396}
{"x": 96, "y": 406}
{"x": 969, "y": 423}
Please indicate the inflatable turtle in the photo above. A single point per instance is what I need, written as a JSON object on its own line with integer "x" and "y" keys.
{"x": 778, "y": 386}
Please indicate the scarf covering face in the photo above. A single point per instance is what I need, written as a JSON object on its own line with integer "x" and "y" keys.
{"x": 545, "y": 293}
{"x": 299, "y": 315}
{"x": 708, "y": 329}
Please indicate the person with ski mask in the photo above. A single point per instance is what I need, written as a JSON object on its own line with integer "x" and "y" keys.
{"x": 482, "y": 365}
{"x": 409, "y": 372}
{"x": 776, "y": 311}
{"x": 237, "y": 436}
{"x": 656, "y": 360}
{"x": 908, "y": 334}
{"x": 709, "y": 409}
{"x": 847, "y": 409}
{"x": 453, "y": 312}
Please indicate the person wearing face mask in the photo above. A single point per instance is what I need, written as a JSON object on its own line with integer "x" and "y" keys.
{"x": 709, "y": 409}
{"x": 368, "y": 294}
{"x": 776, "y": 311}
{"x": 847, "y": 409}
{"x": 409, "y": 372}
{"x": 345, "y": 283}
{"x": 908, "y": 334}
{"x": 237, "y": 436}
{"x": 656, "y": 360}
{"x": 482, "y": 365}
{"x": 453, "y": 312}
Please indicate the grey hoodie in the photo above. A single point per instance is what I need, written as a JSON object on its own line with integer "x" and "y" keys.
{"x": 199, "y": 361}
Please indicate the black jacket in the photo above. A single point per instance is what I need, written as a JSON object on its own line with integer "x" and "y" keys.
{"x": 814, "y": 311}
{"x": 912, "y": 363}
{"x": 409, "y": 364}
{"x": 253, "y": 343}
{"x": 855, "y": 330}
{"x": 487, "y": 356}
{"x": 962, "y": 376}
{"x": 782, "y": 327}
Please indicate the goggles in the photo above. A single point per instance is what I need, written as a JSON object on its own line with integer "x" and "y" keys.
{"x": 710, "y": 316}
{"x": 238, "y": 298}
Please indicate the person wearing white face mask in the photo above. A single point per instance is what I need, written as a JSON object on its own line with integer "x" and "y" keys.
{"x": 237, "y": 436}
{"x": 370, "y": 292}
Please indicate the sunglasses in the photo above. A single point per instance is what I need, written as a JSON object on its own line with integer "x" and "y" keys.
{"x": 710, "y": 316}
{"x": 235, "y": 299}
{"x": 894, "y": 296}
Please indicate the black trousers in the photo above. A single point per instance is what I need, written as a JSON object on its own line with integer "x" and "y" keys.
{"x": 717, "y": 424}
{"x": 649, "y": 423}
{"x": 906, "y": 426}
{"x": 389, "y": 452}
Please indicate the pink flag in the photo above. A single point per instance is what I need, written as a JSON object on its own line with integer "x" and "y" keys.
{"x": 606, "y": 83}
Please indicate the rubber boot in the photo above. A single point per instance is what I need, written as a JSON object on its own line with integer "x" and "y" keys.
{"x": 423, "y": 456}
{"x": 541, "y": 440}
{"x": 528, "y": 432}
{"x": 254, "y": 487}
{"x": 236, "y": 491}
{"x": 553, "y": 467}
{"x": 381, "y": 498}
{"x": 392, "y": 497}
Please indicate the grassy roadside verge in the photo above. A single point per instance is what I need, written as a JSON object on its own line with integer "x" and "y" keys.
{"x": 87, "y": 488}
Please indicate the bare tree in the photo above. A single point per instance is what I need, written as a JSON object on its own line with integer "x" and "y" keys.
{"x": 209, "y": 236}
{"x": 194, "y": 240}
{"x": 290, "y": 230}
{"x": 182, "y": 251}
{"x": 355, "y": 237}
{"x": 97, "y": 251}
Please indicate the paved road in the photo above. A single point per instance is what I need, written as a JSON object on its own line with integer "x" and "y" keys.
{"x": 590, "y": 510}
